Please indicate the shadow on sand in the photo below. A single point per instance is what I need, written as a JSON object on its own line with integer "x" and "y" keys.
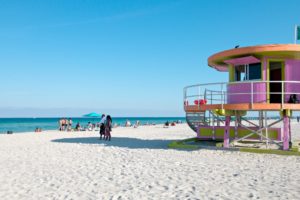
{"x": 132, "y": 143}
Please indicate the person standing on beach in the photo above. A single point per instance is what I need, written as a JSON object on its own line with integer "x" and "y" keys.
{"x": 60, "y": 124}
{"x": 70, "y": 124}
{"x": 66, "y": 124}
{"x": 102, "y": 126}
{"x": 78, "y": 127}
{"x": 63, "y": 124}
{"x": 127, "y": 123}
{"x": 108, "y": 124}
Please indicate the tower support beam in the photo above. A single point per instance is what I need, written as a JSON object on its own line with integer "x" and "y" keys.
{"x": 226, "y": 134}
{"x": 286, "y": 132}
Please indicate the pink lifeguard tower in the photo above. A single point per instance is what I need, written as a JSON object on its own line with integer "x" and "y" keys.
{"x": 262, "y": 79}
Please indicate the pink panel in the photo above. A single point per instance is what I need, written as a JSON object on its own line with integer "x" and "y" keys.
{"x": 265, "y": 63}
{"x": 286, "y": 138}
{"x": 242, "y": 60}
{"x": 234, "y": 93}
{"x": 292, "y": 73}
{"x": 221, "y": 68}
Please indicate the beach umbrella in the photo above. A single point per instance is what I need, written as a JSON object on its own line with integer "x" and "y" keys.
{"x": 93, "y": 114}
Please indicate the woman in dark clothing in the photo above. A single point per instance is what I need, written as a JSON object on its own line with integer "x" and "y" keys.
{"x": 102, "y": 127}
{"x": 108, "y": 125}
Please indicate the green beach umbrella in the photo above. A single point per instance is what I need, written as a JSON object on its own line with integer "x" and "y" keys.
{"x": 93, "y": 114}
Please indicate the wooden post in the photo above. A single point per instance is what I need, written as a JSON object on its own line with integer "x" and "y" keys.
{"x": 235, "y": 126}
{"x": 261, "y": 122}
{"x": 286, "y": 132}
{"x": 290, "y": 131}
{"x": 226, "y": 133}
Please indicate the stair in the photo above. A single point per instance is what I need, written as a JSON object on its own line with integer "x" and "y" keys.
{"x": 195, "y": 119}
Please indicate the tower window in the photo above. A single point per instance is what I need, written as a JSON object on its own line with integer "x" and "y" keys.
{"x": 248, "y": 72}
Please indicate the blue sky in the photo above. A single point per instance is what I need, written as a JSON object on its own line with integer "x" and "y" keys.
{"x": 126, "y": 58}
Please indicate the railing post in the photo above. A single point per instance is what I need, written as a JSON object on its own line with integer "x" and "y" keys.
{"x": 282, "y": 94}
{"x": 251, "y": 94}
{"x": 222, "y": 96}
{"x": 199, "y": 96}
{"x": 266, "y": 129}
{"x": 184, "y": 97}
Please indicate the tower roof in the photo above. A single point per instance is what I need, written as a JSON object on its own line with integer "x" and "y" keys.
{"x": 220, "y": 60}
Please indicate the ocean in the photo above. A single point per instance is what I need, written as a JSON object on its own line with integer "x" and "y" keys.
{"x": 17, "y": 125}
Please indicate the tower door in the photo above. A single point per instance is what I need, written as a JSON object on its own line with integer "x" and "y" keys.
{"x": 275, "y": 71}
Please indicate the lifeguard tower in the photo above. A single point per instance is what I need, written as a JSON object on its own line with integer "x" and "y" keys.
{"x": 262, "y": 79}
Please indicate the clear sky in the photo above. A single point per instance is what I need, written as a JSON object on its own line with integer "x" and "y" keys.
{"x": 126, "y": 58}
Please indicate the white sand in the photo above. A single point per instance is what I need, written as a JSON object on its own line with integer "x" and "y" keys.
{"x": 137, "y": 165}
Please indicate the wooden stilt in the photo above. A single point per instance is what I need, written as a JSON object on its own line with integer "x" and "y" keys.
{"x": 226, "y": 134}
{"x": 236, "y": 126}
{"x": 290, "y": 132}
{"x": 261, "y": 121}
{"x": 266, "y": 129}
{"x": 286, "y": 133}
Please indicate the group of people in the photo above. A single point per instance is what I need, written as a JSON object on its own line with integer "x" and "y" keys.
{"x": 167, "y": 123}
{"x": 105, "y": 127}
{"x": 128, "y": 124}
{"x": 37, "y": 129}
{"x": 65, "y": 124}
{"x": 137, "y": 124}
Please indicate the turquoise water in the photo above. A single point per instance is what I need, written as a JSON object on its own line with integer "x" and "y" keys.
{"x": 30, "y": 124}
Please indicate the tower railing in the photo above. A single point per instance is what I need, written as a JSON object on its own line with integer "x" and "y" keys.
{"x": 241, "y": 92}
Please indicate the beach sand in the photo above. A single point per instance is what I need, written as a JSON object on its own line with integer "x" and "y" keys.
{"x": 137, "y": 164}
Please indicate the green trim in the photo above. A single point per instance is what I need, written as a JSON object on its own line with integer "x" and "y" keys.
{"x": 291, "y": 152}
{"x": 262, "y": 68}
{"x": 231, "y": 73}
{"x": 294, "y": 151}
{"x": 181, "y": 144}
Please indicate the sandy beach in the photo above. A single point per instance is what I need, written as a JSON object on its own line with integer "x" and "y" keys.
{"x": 137, "y": 164}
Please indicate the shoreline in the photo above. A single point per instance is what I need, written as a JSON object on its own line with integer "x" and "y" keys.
{"x": 19, "y": 125}
{"x": 95, "y": 130}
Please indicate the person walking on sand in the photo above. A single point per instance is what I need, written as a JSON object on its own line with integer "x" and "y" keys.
{"x": 102, "y": 126}
{"x": 108, "y": 124}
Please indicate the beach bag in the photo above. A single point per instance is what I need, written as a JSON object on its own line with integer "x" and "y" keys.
{"x": 293, "y": 99}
